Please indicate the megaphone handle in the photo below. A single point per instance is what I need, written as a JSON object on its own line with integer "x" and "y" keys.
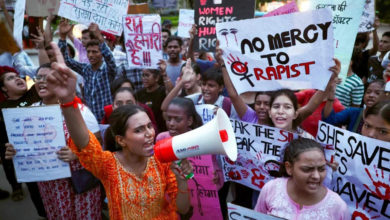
{"x": 188, "y": 176}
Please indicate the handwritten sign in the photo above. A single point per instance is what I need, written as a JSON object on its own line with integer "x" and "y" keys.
{"x": 259, "y": 150}
{"x": 236, "y": 212}
{"x": 143, "y": 40}
{"x": 42, "y": 8}
{"x": 107, "y": 14}
{"x": 37, "y": 134}
{"x": 368, "y": 17}
{"x": 285, "y": 9}
{"x": 346, "y": 19}
{"x": 362, "y": 178}
{"x": 210, "y": 12}
{"x": 206, "y": 112}
{"x": 290, "y": 51}
{"x": 204, "y": 194}
{"x": 186, "y": 20}
{"x": 164, "y": 3}
{"x": 7, "y": 42}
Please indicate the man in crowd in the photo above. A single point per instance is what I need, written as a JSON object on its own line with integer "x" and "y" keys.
{"x": 98, "y": 74}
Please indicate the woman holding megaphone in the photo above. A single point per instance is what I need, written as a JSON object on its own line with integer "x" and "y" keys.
{"x": 138, "y": 186}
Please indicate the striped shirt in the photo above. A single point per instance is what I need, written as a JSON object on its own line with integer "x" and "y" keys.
{"x": 351, "y": 92}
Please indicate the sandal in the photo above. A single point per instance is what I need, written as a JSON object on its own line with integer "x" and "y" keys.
{"x": 17, "y": 195}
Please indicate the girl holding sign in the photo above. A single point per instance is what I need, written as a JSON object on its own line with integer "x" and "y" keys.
{"x": 300, "y": 193}
{"x": 138, "y": 186}
{"x": 282, "y": 106}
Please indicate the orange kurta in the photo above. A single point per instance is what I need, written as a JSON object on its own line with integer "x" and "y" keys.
{"x": 130, "y": 196}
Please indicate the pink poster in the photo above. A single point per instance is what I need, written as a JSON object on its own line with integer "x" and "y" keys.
{"x": 204, "y": 193}
{"x": 285, "y": 9}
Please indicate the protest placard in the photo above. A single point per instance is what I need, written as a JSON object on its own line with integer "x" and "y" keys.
{"x": 143, "y": 40}
{"x": 107, "y": 14}
{"x": 210, "y": 12}
{"x": 204, "y": 194}
{"x": 290, "y": 51}
{"x": 186, "y": 20}
{"x": 236, "y": 212}
{"x": 42, "y": 8}
{"x": 20, "y": 6}
{"x": 259, "y": 150}
{"x": 346, "y": 19}
{"x": 285, "y": 9}
{"x": 362, "y": 178}
{"x": 164, "y": 3}
{"x": 368, "y": 17}
{"x": 205, "y": 111}
{"x": 37, "y": 133}
{"x": 7, "y": 42}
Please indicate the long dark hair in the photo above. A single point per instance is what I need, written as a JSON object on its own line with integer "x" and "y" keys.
{"x": 290, "y": 95}
{"x": 381, "y": 109}
{"x": 294, "y": 149}
{"x": 118, "y": 124}
{"x": 189, "y": 109}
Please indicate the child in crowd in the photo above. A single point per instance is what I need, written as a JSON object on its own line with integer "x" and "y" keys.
{"x": 353, "y": 117}
{"x": 300, "y": 194}
{"x": 377, "y": 121}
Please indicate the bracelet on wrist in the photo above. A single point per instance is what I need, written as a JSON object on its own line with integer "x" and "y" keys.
{"x": 73, "y": 103}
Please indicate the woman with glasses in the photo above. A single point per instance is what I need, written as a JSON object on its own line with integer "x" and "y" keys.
{"x": 14, "y": 89}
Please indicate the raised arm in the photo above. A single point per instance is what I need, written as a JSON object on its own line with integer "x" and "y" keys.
{"x": 190, "y": 51}
{"x": 105, "y": 50}
{"x": 62, "y": 82}
{"x": 237, "y": 101}
{"x": 48, "y": 35}
{"x": 7, "y": 16}
{"x": 40, "y": 45}
{"x": 64, "y": 29}
{"x": 375, "y": 38}
{"x": 187, "y": 74}
{"x": 319, "y": 96}
{"x": 167, "y": 81}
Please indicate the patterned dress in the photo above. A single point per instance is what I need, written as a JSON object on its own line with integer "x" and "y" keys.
{"x": 149, "y": 196}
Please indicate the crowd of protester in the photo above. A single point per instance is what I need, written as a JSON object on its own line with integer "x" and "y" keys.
{"x": 122, "y": 111}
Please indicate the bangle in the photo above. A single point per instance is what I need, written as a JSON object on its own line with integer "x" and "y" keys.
{"x": 73, "y": 103}
{"x": 331, "y": 100}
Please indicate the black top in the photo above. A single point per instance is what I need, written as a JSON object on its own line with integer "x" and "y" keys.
{"x": 154, "y": 100}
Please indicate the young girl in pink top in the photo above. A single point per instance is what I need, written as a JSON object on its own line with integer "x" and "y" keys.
{"x": 300, "y": 193}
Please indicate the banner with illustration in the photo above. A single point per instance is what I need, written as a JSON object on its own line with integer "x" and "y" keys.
{"x": 363, "y": 175}
{"x": 346, "y": 19}
{"x": 259, "y": 150}
{"x": 36, "y": 133}
{"x": 107, "y": 14}
{"x": 290, "y": 51}
{"x": 210, "y": 12}
{"x": 143, "y": 40}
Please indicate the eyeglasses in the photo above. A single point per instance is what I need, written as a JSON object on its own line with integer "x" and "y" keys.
{"x": 40, "y": 78}
{"x": 10, "y": 78}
